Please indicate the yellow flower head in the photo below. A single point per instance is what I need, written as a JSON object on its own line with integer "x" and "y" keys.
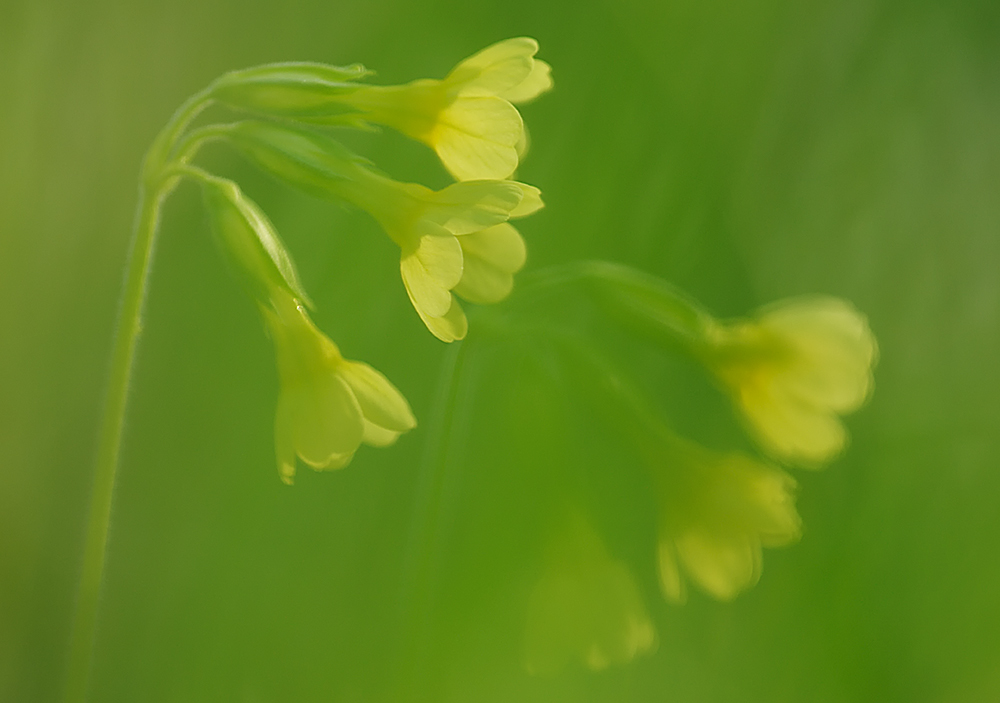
{"x": 456, "y": 239}
{"x": 467, "y": 117}
{"x": 716, "y": 512}
{"x": 793, "y": 370}
{"x": 586, "y": 607}
{"x": 327, "y": 405}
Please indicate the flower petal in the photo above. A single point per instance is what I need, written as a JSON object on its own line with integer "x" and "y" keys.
{"x": 496, "y": 69}
{"x": 375, "y": 436}
{"x": 722, "y": 565}
{"x": 325, "y": 420}
{"x": 790, "y": 428}
{"x": 531, "y": 201}
{"x": 537, "y": 82}
{"x": 451, "y": 326}
{"x": 502, "y": 246}
{"x": 671, "y": 582}
{"x": 482, "y": 283}
{"x": 380, "y": 401}
{"x": 470, "y": 206}
{"x": 284, "y": 446}
{"x": 475, "y": 138}
{"x": 430, "y": 271}
{"x": 835, "y": 346}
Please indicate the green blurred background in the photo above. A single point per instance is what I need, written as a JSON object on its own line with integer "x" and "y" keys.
{"x": 745, "y": 150}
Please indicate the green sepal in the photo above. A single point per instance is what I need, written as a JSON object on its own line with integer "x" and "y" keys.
{"x": 296, "y": 90}
{"x": 250, "y": 240}
{"x": 313, "y": 162}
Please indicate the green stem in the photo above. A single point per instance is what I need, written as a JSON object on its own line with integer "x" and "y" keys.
{"x": 636, "y": 299}
{"x": 157, "y": 183}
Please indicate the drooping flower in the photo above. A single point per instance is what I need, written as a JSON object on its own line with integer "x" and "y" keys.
{"x": 585, "y": 608}
{"x": 467, "y": 117}
{"x": 328, "y": 406}
{"x": 793, "y": 370}
{"x": 717, "y": 510}
{"x": 456, "y": 239}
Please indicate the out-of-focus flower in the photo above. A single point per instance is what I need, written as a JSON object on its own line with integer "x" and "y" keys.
{"x": 328, "y": 405}
{"x": 717, "y": 510}
{"x": 793, "y": 370}
{"x": 585, "y": 607}
{"x": 467, "y": 117}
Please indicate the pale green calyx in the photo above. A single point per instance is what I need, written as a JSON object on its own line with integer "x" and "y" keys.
{"x": 249, "y": 238}
{"x": 297, "y": 90}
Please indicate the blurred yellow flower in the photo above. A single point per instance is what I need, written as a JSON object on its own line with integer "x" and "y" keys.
{"x": 585, "y": 607}
{"x": 467, "y": 117}
{"x": 793, "y": 370}
{"x": 327, "y": 405}
{"x": 716, "y": 512}
{"x": 452, "y": 239}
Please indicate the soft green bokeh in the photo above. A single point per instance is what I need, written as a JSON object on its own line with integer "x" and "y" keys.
{"x": 746, "y": 151}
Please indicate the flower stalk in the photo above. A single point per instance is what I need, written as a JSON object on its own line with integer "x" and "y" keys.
{"x": 158, "y": 182}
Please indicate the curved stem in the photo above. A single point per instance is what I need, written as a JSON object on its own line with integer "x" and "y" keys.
{"x": 157, "y": 183}
{"x": 636, "y": 299}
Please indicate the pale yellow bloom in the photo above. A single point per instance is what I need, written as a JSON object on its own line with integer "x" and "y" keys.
{"x": 585, "y": 608}
{"x": 716, "y": 513}
{"x": 456, "y": 239}
{"x": 793, "y": 370}
{"x": 467, "y": 117}
{"x": 328, "y": 405}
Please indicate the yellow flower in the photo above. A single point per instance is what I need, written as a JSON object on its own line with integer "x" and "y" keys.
{"x": 716, "y": 512}
{"x": 467, "y": 117}
{"x": 586, "y": 607}
{"x": 793, "y": 370}
{"x": 327, "y": 405}
{"x": 457, "y": 239}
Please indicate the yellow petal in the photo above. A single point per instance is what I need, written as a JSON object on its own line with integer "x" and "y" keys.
{"x": 523, "y": 144}
{"x": 482, "y": 283}
{"x": 452, "y": 326}
{"x": 501, "y": 246}
{"x": 470, "y": 206}
{"x": 671, "y": 582}
{"x": 496, "y": 69}
{"x": 475, "y": 138}
{"x": 789, "y": 428}
{"x": 381, "y": 403}
{"x": 834, "y": 347}
{"x": 531, "y": 201}
{"x": 722, "y": 565}
{"x": 325, "y": 420}
{"x": 284, "y": 446}
{"x": 537, "y": 82}
{"x": 430, "y": 271}
{"x": 375, "y": 436}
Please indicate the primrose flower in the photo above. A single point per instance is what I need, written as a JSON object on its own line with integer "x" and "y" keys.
{"x": 467, "y": 118}
{"x": 456, "y": 239}
{"x": 716, "y": 512}
{"x": 793, "y": 370}
{"x": 328, "y": 405}
{"x": 585, "y": 607}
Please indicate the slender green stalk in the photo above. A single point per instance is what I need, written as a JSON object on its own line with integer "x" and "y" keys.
{"x": 158, "y": 180}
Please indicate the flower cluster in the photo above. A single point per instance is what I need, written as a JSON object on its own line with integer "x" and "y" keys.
{"x": 457, "y": 240}
{"x": 792, "y": 370}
